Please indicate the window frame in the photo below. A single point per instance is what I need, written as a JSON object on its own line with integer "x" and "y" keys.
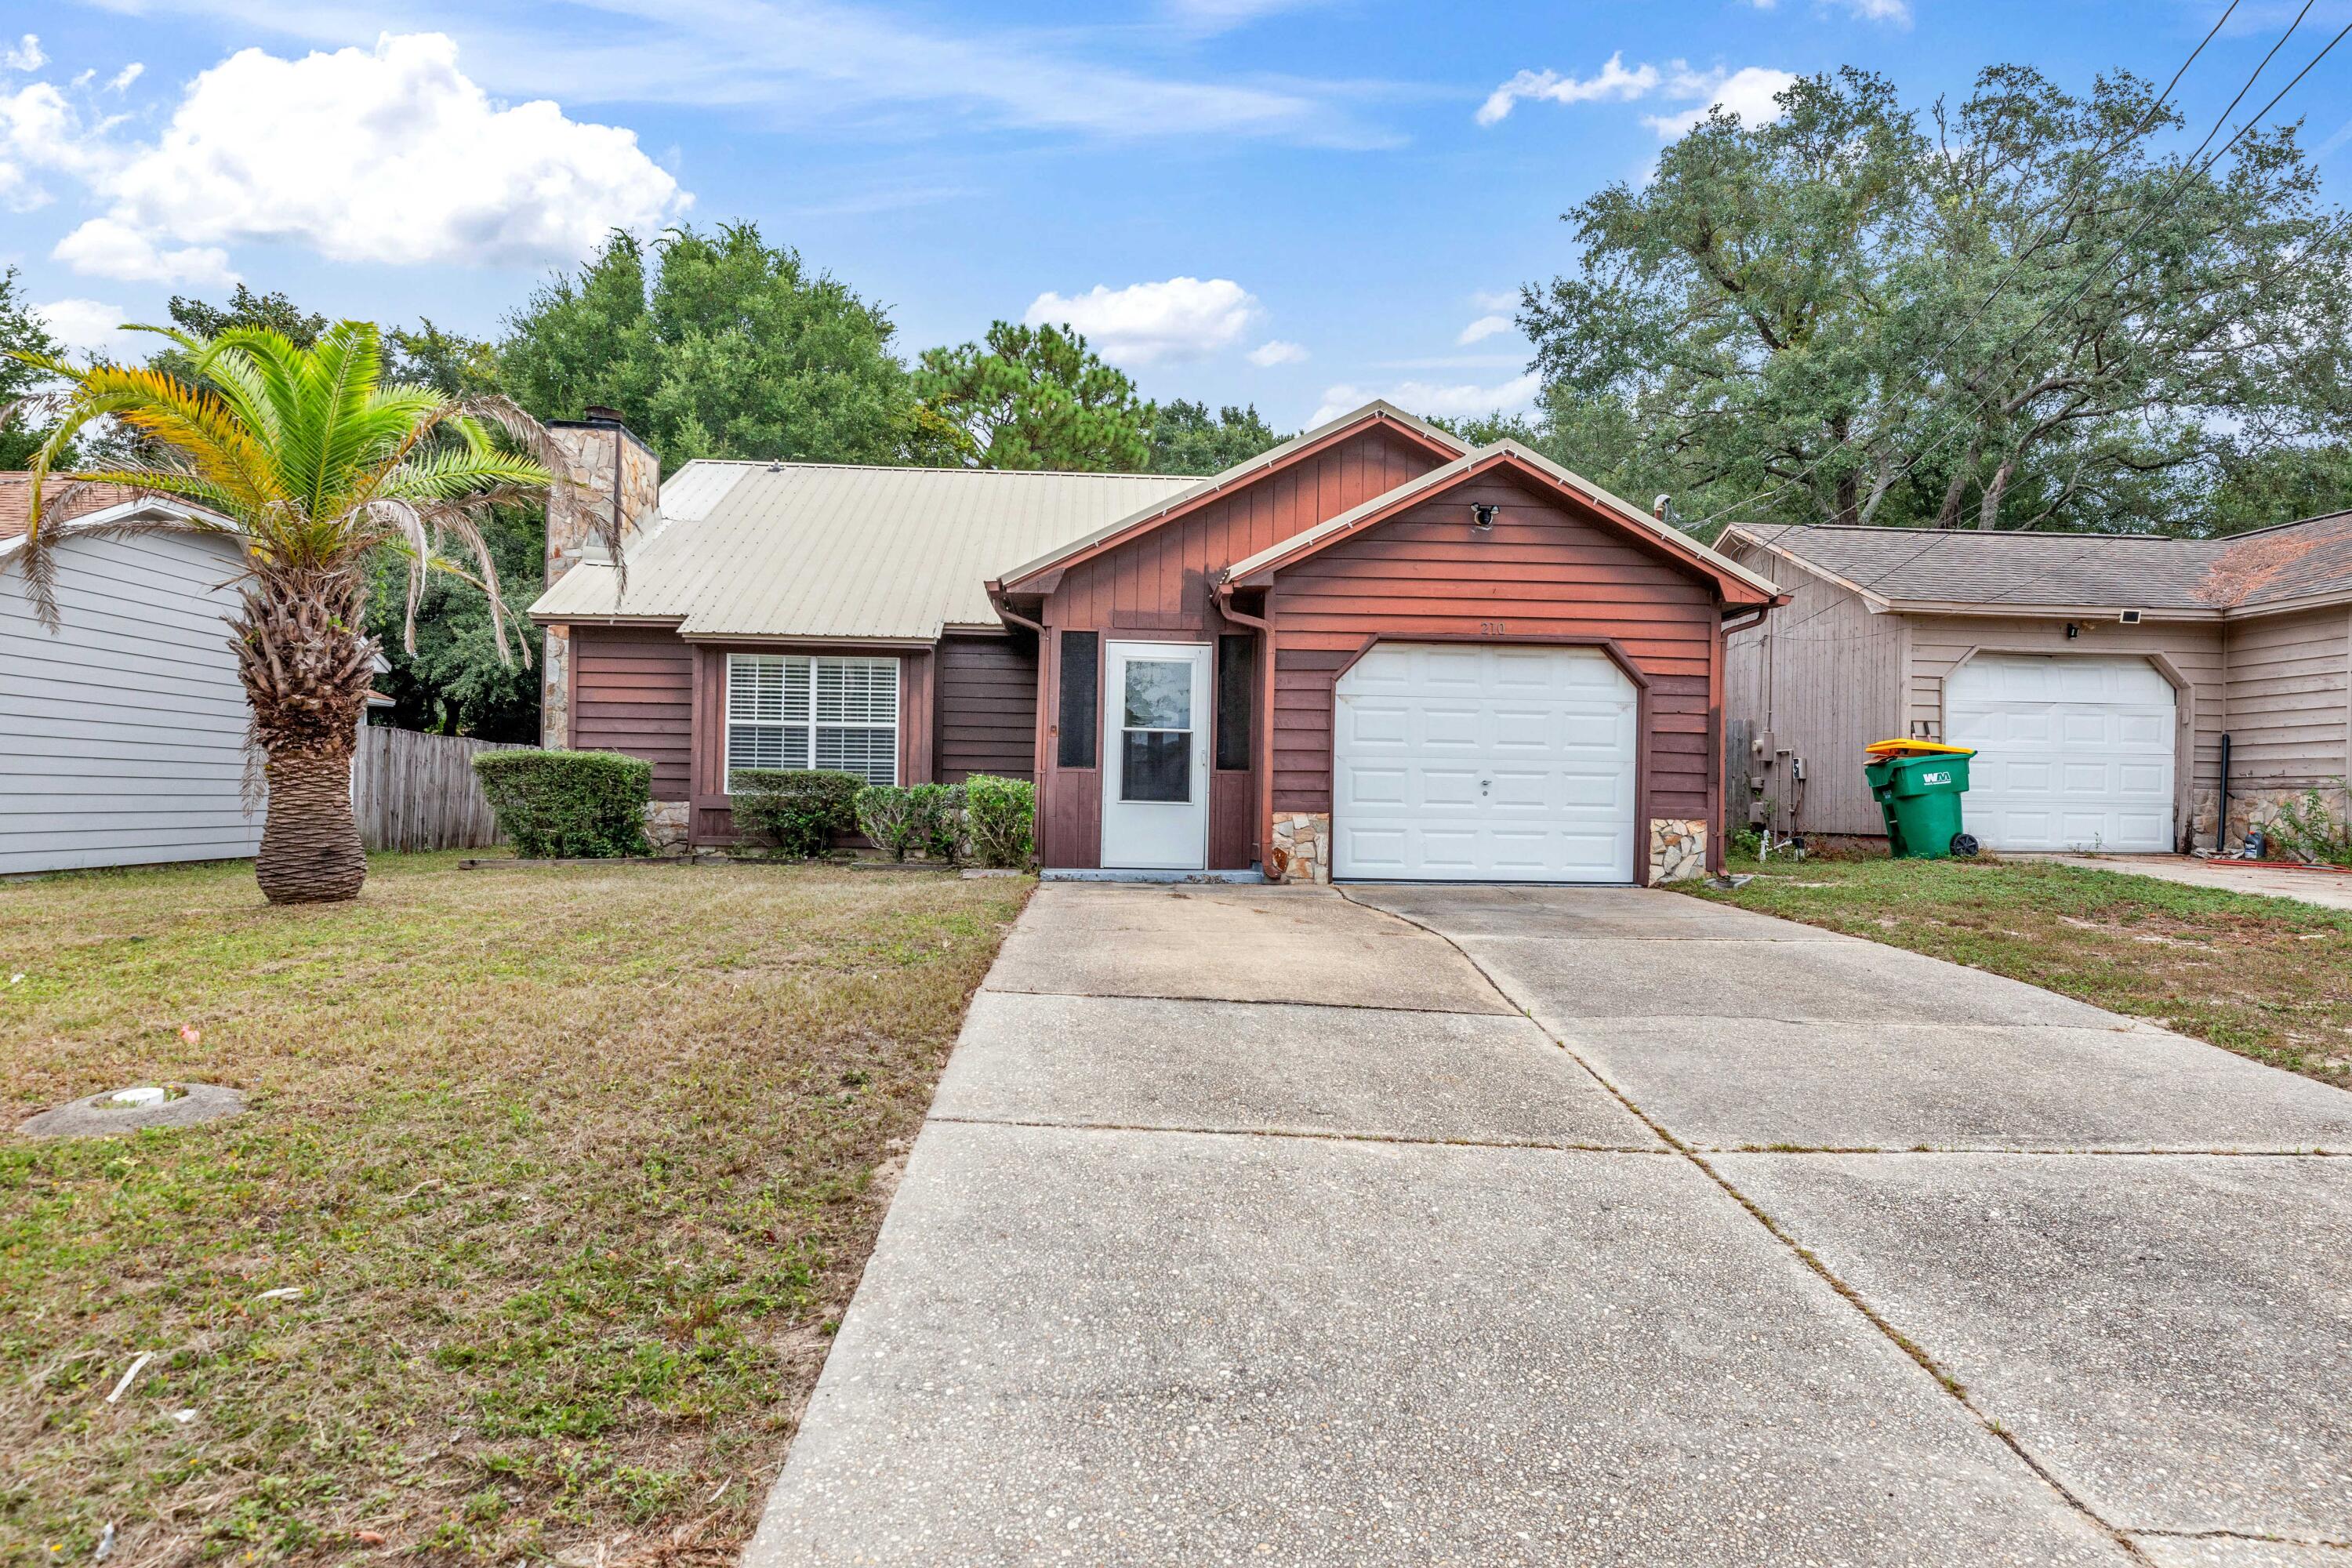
{"x": 809, "y": 719}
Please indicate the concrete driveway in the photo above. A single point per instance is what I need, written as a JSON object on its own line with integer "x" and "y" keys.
{"x": 1480, "y": 1225}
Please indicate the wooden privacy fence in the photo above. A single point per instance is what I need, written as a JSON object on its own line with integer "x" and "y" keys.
{"x": 415, "y": 791}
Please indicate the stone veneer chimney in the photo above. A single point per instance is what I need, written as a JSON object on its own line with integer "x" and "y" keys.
{"x": 602, "y": 473}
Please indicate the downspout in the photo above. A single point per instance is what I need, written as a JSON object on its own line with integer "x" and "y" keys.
{"x": 1262, "y": 758}
{"x": 997, "y": 601}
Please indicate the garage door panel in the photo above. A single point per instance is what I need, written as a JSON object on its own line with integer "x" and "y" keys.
{"x": 2072, "y": 752}
{"x": 1516, "y": 764}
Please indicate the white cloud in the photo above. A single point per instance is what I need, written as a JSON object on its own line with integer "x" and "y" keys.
{"x": 26, "y": 55}
{"x": 388, "y": 156}
{"x": 1895, "y": 11}
{"x": 1485, "y": 327}
{"x": 1612, "y": 81}
{"x": 125, "y": 76}
{"x": 837, "y": 68}
{"x": 1424, "y": 397}
{"x": 1496, "y": 300}
{"x": 391, "y": 155}
{"x": 1181, "y": 317}
{"x": 1748, "y": 92}
{"x": 1275, "y": 351}
{"x": 104, "y": 247}
{"x": 92, "y": 327}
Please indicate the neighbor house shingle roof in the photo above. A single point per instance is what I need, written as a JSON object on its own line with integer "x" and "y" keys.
{"x": 17, "y": 500}
{"x": 820, "y": 550}
{"x": 2244, "y": 572}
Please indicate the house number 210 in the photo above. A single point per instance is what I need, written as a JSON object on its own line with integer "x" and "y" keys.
{"x": 1491, "y": 628}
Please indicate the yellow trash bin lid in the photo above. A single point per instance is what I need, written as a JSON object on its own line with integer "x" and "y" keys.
{"x": 1883, "y": 749}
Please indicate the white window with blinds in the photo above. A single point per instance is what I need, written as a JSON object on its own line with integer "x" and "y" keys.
{"x": 791, "y": 710}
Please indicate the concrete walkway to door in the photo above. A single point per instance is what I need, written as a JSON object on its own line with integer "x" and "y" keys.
{"x": 1476, "y": 1225}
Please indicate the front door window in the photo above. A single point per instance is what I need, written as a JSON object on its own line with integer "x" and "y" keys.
{"x": 1156, "y": 730}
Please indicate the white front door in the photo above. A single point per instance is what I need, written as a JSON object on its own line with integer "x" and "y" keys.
{"x": 1155, "y": 811}
{"x": 2074, "y": 752}
{"x": 1485, "y": 762}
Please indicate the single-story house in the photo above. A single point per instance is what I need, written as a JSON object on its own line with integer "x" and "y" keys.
{"x": 1372, "y": 652}
{"x": 2103, "y": 679}
{"x": 122, "y": 731}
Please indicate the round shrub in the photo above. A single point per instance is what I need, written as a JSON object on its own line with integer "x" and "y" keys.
{"x": 999, "y": 819}
{"x": 793, "y": 811}
{"x": 886, "y": 814}
{"x": 569, "y": 805}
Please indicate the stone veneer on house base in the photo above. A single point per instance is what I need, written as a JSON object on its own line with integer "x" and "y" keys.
{"x": 1677, "y": 850}
{"x": 1300, "y": 848}
{"x": 670, "y": 826}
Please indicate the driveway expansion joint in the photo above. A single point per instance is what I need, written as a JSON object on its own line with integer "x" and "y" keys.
{"x": 1308, "y": 1133}
{"x": 1249, "y": 1001}
{"x": 1853, "y": 1297}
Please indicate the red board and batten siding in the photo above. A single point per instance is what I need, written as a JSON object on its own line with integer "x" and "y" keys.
{"x": 633, "y": 691}
{"x": 713, "y": 821}
{"x": 1543, "y": 573}
{"x": 1157, "y": 588}
{"x": 987, "y": 707}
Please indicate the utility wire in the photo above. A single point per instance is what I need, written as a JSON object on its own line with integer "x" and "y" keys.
{"x": 2017, "y": 263}
{"x": 2189, "y": 172}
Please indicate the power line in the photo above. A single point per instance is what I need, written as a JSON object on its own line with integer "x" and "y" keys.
{"x": 2181, "y": 184}
{"x": 2010, "y": 273}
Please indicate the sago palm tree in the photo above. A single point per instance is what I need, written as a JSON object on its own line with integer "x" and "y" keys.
{"x": 313, "y": 460}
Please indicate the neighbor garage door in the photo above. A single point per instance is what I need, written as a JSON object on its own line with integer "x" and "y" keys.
{"x": 1477, "y": 763}
{"x": 2071, "y": 753}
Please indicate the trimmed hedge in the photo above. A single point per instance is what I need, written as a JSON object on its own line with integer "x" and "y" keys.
{"x": 793, "y": 811}
{"x": 999, "y": 819}
{"x": 939, "y": 820}
{"x": 569, "y": 805}
{"x": 927, "y": 818}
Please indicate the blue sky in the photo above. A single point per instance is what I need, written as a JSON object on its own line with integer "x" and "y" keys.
{"x": 1292, "y": 204}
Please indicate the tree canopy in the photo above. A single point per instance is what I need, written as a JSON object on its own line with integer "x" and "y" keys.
{"x": 22, "y": 332}
{"x": 715, "y": 344}
{"x": 1036, "y": 397}
{"x": 1186, "y": 438}
{"x": 2017, "y": 311}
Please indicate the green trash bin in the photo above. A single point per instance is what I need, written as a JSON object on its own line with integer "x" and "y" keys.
{"x": 1920, "y": 796}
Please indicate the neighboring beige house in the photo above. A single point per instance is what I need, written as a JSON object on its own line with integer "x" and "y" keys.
{"x": 2098, "y": 676}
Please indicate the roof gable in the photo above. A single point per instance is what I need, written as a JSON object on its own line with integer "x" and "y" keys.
{"x": 1038, "y": 575}
{"x": 1737, "y": 584}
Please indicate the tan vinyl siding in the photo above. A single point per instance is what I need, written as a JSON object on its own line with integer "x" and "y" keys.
{"x": 2194, "y": 650}
{"x": 2287, "y": 702}
{"x": 1821, "y": 674}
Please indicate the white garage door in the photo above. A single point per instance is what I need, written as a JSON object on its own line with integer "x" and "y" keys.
{"x": 2071, "y": 753}
{"x": 1478, "y": 762}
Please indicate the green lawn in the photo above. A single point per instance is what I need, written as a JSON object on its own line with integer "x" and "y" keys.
{"x": 573, "y": 1169}
{"x": 2269, "y": 978}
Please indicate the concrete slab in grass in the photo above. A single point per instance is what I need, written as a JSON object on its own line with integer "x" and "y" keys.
{"x": 1702, "y": 977}
{"x": 1898, "y": 1086}
{"x": 1251, "y": 1067}
{"x": 1233, "y": 945}
{"x": 1169, "y": 1348}
{"x": 1636, "y": 913}
{"x": 2212, "y": 1551}
{"x": 2171, "y": 1335}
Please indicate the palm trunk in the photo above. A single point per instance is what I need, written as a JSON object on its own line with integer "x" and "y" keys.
{"x": 310, "y": 850}
{"x": 305, "y": 665}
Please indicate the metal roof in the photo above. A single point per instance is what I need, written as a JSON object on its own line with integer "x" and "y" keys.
{"x": 2255, "y": 570}
{"x": 838, "y": 551}
{"x": 1438, "y": 478}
